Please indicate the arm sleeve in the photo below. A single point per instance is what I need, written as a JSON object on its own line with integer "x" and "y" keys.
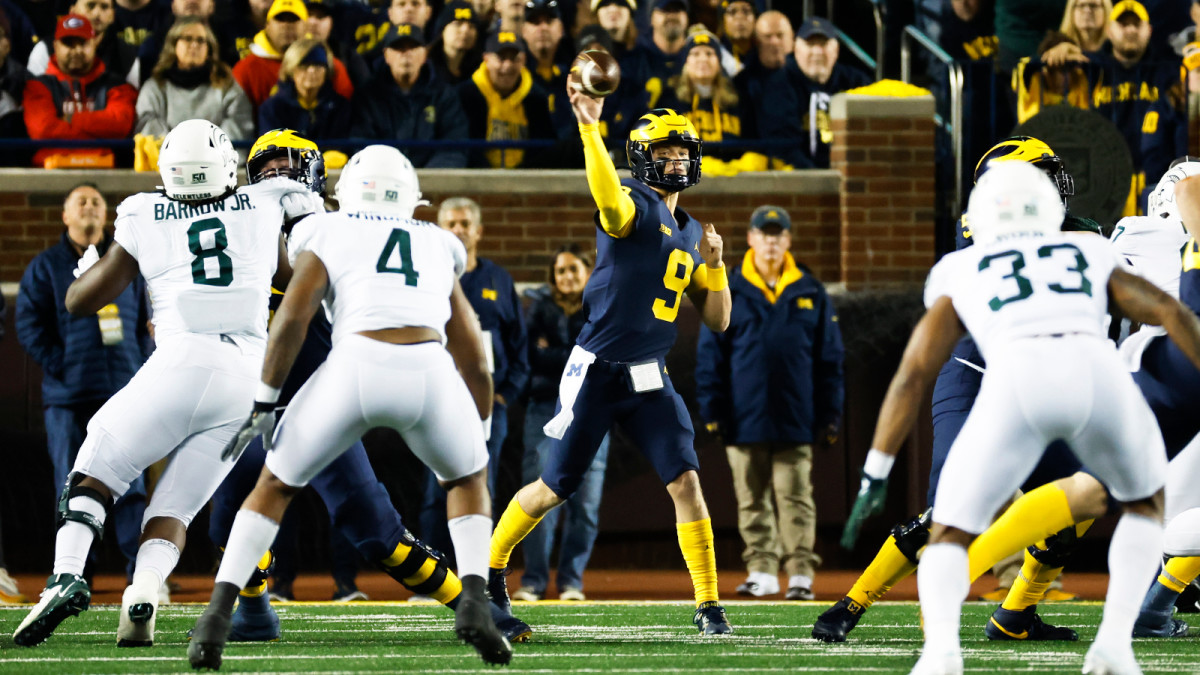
{"x": 37, "y": 320}
{"x": 616, "y": 206}
{"x": 712, "y": 375}
{"x": 516, "y": 344}
{"x": 828, "y": 385}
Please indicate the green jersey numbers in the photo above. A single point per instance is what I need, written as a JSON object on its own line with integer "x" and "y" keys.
{"x": 1014, "y": 261}
{"x": 399, "y": 243}
{"x": 220, "y": 271}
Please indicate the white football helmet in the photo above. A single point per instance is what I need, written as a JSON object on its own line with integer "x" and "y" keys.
{"x": 1161, "y": 202}
{"x": 379, "y": 178}
{"x": 197, "y": 162}
{"x": 1014, "y": 199}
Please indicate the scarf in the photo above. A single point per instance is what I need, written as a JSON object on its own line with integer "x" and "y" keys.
{"x": 190, "y": 78}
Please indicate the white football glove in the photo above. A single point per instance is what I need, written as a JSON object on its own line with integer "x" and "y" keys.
{"x": 297, "y": 205}
{"x": 90, "y": 257}
{"x": 261, "y": 421}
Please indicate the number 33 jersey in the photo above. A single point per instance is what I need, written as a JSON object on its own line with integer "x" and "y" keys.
{"x": 208, "y": 267}
{"x": 635, "y": 291}
{"x": 385, "y": 271}
{"x": 1027, "y": 287}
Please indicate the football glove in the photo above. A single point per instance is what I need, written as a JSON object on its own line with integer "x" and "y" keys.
{"x": 90, "y": 257}
{"x": 872, "y": 493}
{"x": 261, "y": 421}
{"x": 297, "y": 205}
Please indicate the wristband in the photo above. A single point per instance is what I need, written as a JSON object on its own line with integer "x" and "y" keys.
{"x": 266, "y": 393}
{"x": 717, "y": 279}
{"x": 878, "y": 464}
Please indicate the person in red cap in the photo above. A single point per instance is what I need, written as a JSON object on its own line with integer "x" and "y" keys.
{"x": 78, "y": 97}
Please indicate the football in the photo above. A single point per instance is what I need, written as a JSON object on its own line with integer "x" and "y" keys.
{"x": 595, "y": 72}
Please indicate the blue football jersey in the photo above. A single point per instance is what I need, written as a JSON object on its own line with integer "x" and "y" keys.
{"x": 636, "y": 288}
{"x": 1189, "y": 278}
{"x": 313, "y": 352}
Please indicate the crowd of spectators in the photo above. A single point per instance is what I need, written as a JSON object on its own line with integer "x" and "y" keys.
{"x": 457, "y": 71}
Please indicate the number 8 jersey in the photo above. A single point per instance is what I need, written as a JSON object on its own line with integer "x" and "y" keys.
{"x": 208, "y": 266}
{"x": 1027, "y": 287}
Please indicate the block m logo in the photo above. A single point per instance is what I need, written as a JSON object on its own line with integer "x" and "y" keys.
{"x": 575, "y": 370}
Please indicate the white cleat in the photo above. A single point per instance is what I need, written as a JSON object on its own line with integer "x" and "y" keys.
{"x": 939, "y": 664}
{"x": 1111, "y": 660}
{"x": 136, "y": 625}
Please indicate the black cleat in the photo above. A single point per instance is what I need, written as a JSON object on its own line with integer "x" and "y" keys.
{"x": 497, "y": 589}
{"x": 835, "y": 623}
{"x": 1188, "y": 601}
{"x": 1010, "y": 624}
{"x": 474, "y": 625}
{"x": 514, "y": 629}
{"x": 66, "y": 595}
{"x": 208, "y": 640}
{"x": 710, "y": 619}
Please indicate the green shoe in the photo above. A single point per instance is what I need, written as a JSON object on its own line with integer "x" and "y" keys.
{"x": 65, "y": 595}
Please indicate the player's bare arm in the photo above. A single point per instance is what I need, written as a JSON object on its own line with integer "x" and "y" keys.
{"x": 102, "y": 283}
{"x": 290, "y": 325}
{"x": 1144, "y": 302}
{"x": 715, "y": 305}
{"x": 465, "y": 345}
{"x": 283, "y": 268}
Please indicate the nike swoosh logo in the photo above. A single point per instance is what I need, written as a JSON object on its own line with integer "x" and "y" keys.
{"x": 1016, "y": 636}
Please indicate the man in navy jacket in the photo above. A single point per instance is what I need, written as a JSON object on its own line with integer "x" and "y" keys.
{"x": 84, "y": 360}
{"x": 771, "y": 387}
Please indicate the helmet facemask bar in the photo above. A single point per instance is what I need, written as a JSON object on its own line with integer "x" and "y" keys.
{"x": 653, "y": 172}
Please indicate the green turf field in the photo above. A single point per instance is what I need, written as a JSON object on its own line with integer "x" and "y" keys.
{"x": 570, "y": 638}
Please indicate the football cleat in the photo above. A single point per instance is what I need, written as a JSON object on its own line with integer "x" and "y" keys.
{"x": 10, "y": 594}
{"x": 1152, "y": 624}
{"x": 254, "y": 620}
{"x": 497, "y": 589}
{"x": 1188, "y": 601}
{"x": 135, "y": 627}
{"x": 1109, "y": 659}
{"x": 474, "y": 625}
{"x": 65, "y": 595}
{"x": 572, "y": 594}
{"x": 208, "y": 640}
{"x": 835, "y": 623}
{"x": 1010, "y": 624}
{"x": 710, "y": 619}
{"x": 513, "y": 629}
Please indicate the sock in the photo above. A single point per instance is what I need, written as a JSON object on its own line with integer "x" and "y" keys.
{"x": 514, "y": 525}
{"x": 943, "y": 584}
{"x": 250, "y": 537}
{"x": 1031, "y": 584}
{"x": 255, "y": 590}
{"x": 696, "y": 542}
{"x": 419, "y": 572}
{"x": 1036, "y": 515}
{"x": 155, "y": 560}
{"x": 1159, "y": 602}
{"x": 1132, "y": 558}
{"x": 471, "y": 535}
{"x": 74, "y": 539}
{"x": 885, "y": 571}
{"x": 1179, "y": 572}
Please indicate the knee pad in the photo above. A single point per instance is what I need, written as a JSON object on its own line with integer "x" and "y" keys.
{"x": 408, "y": 569}
{"x": 1059, "y": 547}
{"x": 912, "y": 535}
{"x": 74, "y": 490}
{"x": 1181, "y": 537}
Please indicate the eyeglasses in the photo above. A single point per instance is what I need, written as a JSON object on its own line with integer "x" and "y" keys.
{"x": 1090, "y": 6}
{"x": 193, "y": 39}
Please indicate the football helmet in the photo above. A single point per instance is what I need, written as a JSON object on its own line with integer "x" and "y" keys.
{"x": 306, "y": 165}
{"x": 1161, "y": 202}
{"x": 379, "y": 178}
{"x": 197, "y": 162}
{"x": 1014, "y": 199}
{"x": 663, "y": 125}
{"x": 1033, "y": 151}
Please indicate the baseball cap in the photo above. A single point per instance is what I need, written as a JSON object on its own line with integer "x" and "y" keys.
{"x": 317, "y": 56}
{"x": 816, "y": 26}
{"x": 323, "y": 6}
{"x": 536, "y": 8}
{"x": 74, "y": 25}
{"x": 403, "y": 32}
{"x": 591, "y": 35}
{"x": 503, "y": 39}
{"x": 753, "y": 8}
{"x": 666, "y": 6}
{"x": 1129, "y": 6}
{"x": 597, "y": 4}
{"x": 288, "y": 7}
{"x": 770, "y": 215}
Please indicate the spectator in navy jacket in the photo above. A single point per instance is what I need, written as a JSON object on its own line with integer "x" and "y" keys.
{"x": 305, "y": 100}
{"x": 491, "y": 293}
{"x": 772, "y": 104}
{"x": 816, "y": 74}
{"x": 770, "y": 387}
{"x": 84, "y": 360}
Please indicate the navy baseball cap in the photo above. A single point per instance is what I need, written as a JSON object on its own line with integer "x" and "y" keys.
{"x": 816, "y": 26}
{"x": 537, "y": 8}
{"x": 667, "y": 6}
{"x": 500, "y": 40}
{"x": 770, "y": 215}
{"x": 403, "y": 33}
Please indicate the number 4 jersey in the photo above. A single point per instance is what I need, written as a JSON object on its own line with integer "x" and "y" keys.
{"x": 384, "y": 271}
{"x": 208, "y": 267}
{"x": 1027, "y": 287}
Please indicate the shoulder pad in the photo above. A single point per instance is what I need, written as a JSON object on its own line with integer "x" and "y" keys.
{"x": 132, "y": 203}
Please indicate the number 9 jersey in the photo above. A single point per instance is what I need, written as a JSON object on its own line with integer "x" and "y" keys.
{"x": 1027, "y": 287}
{"x": 634, "y": 293}
{"x": 208, "y": 266}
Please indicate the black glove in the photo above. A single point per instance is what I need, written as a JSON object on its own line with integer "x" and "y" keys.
{"x": 261, "y": 421}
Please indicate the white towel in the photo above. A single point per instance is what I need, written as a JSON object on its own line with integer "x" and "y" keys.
{"x": 568, "y": 390}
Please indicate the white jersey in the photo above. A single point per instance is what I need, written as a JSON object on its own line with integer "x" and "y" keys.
{"x": 1027, "y": 287}
{"x": 1153, "y": 247}
{"x": 385, "y": 271}
{"x": 208, "y": 268}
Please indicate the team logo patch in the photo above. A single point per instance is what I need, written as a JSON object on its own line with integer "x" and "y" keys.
{"x": 490, "y": 294}
{"x": 664, "y": 229}
{"x": 575, "y": 370}
{"x": 390, "y": 196}
{"x": 804, "y": 303}
{"x": 198, "y": 177}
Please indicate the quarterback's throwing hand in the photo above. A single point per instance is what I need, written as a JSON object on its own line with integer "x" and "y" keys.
{"x": 711, "y": 245}
{"x": 261, "y": 421}
{"x": 872, "y": 493}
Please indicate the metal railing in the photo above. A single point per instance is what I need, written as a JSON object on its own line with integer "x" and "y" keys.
{"x": 874, "y": 63}
{"x": 954, "y": 127}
